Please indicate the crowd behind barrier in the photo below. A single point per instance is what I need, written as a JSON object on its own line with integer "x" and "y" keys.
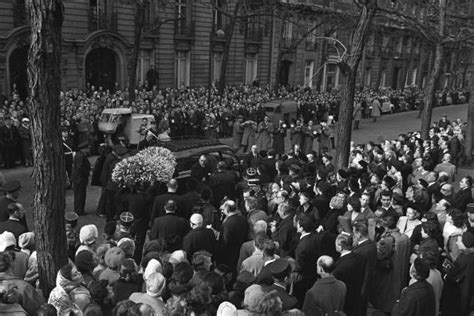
{"x": 294, "y": 236}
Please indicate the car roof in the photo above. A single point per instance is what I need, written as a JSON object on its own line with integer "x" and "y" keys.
{"x": 117, "y": 111}
{"x": 190, "y": 147}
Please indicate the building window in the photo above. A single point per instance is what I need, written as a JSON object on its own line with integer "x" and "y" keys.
{"x": 251, "y": 66}
{"x": 182, "y": 13}
{"x": 311, "y": 35}
{"x": 216, "y": 66}
{"x": 143, "y": 65}
{"x": 217, "y": 15}
{"x": 383, "y": 78}
{"x": 287, "y": 32}
{"x": 400, "y": 45}
{"x": 183, "y": 68}
{"x": 413, "y": 76}
{"x": 308, "y": 73}
{"x": 371, "y": 44}
{"x": 368, "y": 77}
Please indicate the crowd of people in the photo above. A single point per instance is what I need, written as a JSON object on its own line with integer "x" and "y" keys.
{"x": 190, "y": 111}
{"x": 294, "y": 236}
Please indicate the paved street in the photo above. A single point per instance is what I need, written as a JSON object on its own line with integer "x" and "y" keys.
{"x": 389, "y": 126}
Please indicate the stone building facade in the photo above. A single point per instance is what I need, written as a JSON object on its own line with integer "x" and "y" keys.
{"x": 184, "y": 41}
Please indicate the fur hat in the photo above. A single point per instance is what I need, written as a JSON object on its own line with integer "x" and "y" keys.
{"x": 88, "y": 234}
{"x": 114, "y": 258}
{"x": 85, "y": 261}
{"x": 127, "y": 245}
{"x": 337, "y": 202}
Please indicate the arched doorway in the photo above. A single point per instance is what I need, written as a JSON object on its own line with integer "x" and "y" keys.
{"x": 285, "y": 72}
{"x": 101, "y": 68}
{"x": 17, "y": 67}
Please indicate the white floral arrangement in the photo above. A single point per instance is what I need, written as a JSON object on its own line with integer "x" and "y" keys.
{"x": 148, "y": 166}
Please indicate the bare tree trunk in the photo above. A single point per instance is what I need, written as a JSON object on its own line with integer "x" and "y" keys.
{"x": 344, "y": 125}
{"x": 140, "y": 6}
{"x": 44, "y": 78}
{"x": 229, "y": 33}
{"x": 470, "y": 126}
{"x": 430, "y": 90}
{"x": 435, "y": 73}
{"x": 349, "y": 67}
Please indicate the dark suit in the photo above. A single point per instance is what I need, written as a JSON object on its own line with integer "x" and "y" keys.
{"x": 222, "y": 183}
{"x": 350, "y": 269}
{"x": 267, "y": 170}
{"x": 368, "y": 250}
{"x": 189, "y": 200}
{"x": 110, "y": 187}
{"x": 160, "y": 202}
{"x": 169, "y": 226}
{"x": 13, "y": 226}
{"x": 4, "y": 202}
{"x": 200, "y": 173}
{"x": 80, "y": 177}
{"x": 285, "y": 235}
{"x": 10, "y": 140}
{"x": 325, "y": 297}
{"x": 462, "y": 198}
{"x": 235, "y": 230}
{"x": 306, "y": 255}
{"x": 417, "y": 299}
{"x": 288, "y": 301}
{"x": 198, "y": 239}
{"x": 251, "y": 161}
{"x": 321, "y": 202}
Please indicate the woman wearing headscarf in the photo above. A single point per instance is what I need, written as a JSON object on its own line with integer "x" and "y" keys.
{"x": 69, "y": 295}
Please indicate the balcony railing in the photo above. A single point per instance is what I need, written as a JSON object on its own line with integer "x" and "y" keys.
{"x": 184, "y": 29}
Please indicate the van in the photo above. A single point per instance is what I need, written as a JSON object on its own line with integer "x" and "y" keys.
{"x": 284, "y": 110}
{"x": 122, "y": 122}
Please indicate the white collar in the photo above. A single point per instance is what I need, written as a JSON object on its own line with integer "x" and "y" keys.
{"x": 303, "y": 235}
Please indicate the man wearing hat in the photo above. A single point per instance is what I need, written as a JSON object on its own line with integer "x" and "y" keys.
{"x": 80, "y": 177}
{"x": 25, "y": 138}
{"x": 12, "y": 191}
{"x": 124, "y": 225}
{"x": 9, "y": 140}
{"x": 280, "y": 270}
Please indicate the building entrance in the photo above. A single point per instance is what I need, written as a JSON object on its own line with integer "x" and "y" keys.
{"x": 101, "y": 68}
{"x": 17, "y": 66}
